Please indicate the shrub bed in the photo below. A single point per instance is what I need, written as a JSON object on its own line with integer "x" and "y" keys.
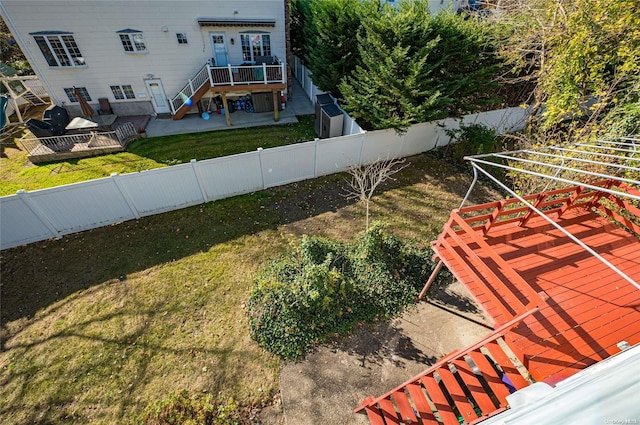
{"x": 322, "y": 287}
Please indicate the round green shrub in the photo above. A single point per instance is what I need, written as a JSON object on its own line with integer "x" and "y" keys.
{"x": 322, "y": 287}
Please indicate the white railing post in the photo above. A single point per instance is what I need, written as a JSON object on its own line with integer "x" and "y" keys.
{"x": 264, "y": 72}
{"x": 191, "y": 87}
{"x": 282, "y": 72}
{"x": 173, "y": 110}
{"x": 210, "y": 75}
{"x": 230, "y": 74}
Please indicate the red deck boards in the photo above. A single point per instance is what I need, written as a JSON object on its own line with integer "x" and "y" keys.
{"x": 422, "y": 405}
{"x": 439, "y": 400}
{"x": 590, "y": 308}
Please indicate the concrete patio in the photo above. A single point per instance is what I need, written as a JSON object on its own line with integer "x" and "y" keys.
{"x": 330, "y": 382}
{"x": 298, "y": 105}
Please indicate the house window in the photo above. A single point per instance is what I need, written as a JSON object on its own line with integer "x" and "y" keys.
{"x": 182, "y": 38}
{"x": 132, "y": 41}
{"x": 123, "y": 92}
{"x": 72, "y": 96}
{"x": 254, "y": 45}
{"x": 60, "y": 50}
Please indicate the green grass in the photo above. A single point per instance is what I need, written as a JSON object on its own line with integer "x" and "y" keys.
{"x": 98, "y": 325}
{"x": 16, "y": 172}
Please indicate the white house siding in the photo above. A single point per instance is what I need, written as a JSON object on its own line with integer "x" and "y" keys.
{"x": 436, "y": 6}
{"x": 94, "y": 25}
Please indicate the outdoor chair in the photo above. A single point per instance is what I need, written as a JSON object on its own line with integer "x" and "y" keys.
{"x": 105, "y": 107}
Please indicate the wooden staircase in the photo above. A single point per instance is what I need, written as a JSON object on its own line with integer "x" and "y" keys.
{"x": 191, "y": 93}
{"x": 32, "y": 98}
{"x": 463, "y": 387}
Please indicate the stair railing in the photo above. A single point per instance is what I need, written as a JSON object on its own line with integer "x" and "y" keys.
{"x": 185, "y": 96}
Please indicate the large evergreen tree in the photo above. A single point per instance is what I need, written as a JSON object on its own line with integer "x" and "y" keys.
{"x": 330, "y": 43}
{"x": 416, "y": 67}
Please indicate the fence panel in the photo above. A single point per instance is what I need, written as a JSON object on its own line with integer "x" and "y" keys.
{"x": 96, "y": 203}
{"x": 288, "y": 164}
{"x": 349, "y": 126}
{"x": 338, "y": 153}
{"x": 308, "y": 85}
{"x": 163, "y": 189}
{"x": 503, "y": 120}
{"x": 229, "y": 176}
{"x": 380, "y": 145}
{"x": 19, "y": 224}
{"x": 442, "y": 127}
{"x": 82, "y": 206}
{"x": 419, "y": 138}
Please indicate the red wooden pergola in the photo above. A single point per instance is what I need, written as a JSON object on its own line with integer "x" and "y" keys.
{"x": 557, "y": 271}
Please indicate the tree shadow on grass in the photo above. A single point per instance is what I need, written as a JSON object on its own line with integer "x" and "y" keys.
{"x": 40, "y": 274}
{"x": 116, "y": 373}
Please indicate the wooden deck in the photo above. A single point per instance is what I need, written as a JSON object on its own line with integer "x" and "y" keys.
{"x": 590, "y": 309}
{"x": 558, "y": 308}
{"x": 585, "y": 308}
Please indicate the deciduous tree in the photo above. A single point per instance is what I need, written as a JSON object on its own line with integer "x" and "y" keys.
{"x": 584, "y": 56}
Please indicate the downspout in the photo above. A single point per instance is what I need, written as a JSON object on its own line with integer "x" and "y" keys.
{"x": 27, "y": 52}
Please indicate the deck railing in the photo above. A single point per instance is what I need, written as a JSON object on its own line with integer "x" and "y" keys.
{"x": 230, "y": 75}
{"x": 396, "y": 403}
{"x": 35, "y": 86}
{"x": 92, "y": 140}
{"x": 185, "y": 96}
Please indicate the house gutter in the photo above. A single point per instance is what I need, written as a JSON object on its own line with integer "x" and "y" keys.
{"x": 27, "y": 52}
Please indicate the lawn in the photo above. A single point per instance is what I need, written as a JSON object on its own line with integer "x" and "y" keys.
{"x": 99, "y": 324}
{"x": 16, "y": 172}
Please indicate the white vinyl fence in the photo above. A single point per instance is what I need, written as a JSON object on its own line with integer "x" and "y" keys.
{"x": 28, "y": 217}
{"x": 303, "y": 75}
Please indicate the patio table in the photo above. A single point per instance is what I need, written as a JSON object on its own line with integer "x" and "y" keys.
{"x": 97, "y": 121}
{"x": 79, "y": 123}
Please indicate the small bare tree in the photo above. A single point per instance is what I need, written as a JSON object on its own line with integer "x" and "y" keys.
{"x": 365, "y": 179}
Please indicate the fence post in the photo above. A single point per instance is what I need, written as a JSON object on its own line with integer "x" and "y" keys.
{"x": 115, "y": 178}
{"x": 261, "y": 168}
{"x": 38, "y": 212}
{"x": 315, "y": 157}
{"x": 203, "y": 192}
{"x": 364, "y": 139}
